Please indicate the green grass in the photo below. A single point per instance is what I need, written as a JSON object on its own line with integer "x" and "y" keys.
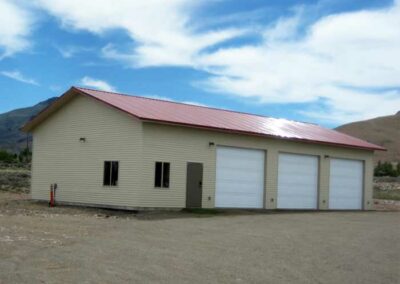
{"x": 388, "y": 195}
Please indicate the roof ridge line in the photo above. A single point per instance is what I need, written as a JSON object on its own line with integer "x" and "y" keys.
{"x": 198, "y": 106}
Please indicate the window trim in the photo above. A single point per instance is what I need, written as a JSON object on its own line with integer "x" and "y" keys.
{"x": 111, "y": 172}
{"x": 162, "y": 181}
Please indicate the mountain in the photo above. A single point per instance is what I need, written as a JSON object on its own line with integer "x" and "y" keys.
{"x": 384, "y": 131}
{"x": 11, "y": 138}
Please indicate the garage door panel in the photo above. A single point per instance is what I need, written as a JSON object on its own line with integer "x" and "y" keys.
{"x": 346, "y": 184}
{"x": 238, "y": 189}
{"x": 245, "y": 180}
{"x": 239, "y": 178}
{"x": 296, "y": 159}
{"x": 297, "y": 181}
{"x": 298, "y": 203}
{"x": 236, "y": 201}
{"x": 340, "y": 182}
{"x": 301, "y": 180}
{"x": 290, "y": 200}
{"x": 232, "y": 173}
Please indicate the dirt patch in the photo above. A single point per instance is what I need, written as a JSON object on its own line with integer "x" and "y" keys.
{"x": 386, "y": 205}
{"x": 39, "y": 244}
{"x": 12, "y": 203}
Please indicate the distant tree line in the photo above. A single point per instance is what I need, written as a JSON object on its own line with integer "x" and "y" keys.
{"x": 387, "y": 169}
{"x": 24, "y": 156}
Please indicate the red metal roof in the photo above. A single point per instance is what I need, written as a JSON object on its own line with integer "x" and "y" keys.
{"x": 218, "y": 119}
{"x": 225, "y": 120}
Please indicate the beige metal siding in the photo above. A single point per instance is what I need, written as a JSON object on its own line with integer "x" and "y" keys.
{"x": 77, "y": 168}
{"x": 179, "y": 145}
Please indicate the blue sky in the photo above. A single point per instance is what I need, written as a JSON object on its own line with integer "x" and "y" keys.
{"x": 327, "y": 62}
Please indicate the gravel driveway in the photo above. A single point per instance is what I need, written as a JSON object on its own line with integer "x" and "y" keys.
{"x": 67, "y": 245}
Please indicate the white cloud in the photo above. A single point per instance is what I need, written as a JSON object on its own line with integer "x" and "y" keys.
{"x": 97, "y": 84}
{"x": 346, "y": 105}
{"x": 284, "y": 28}
{"x": 160, "y": 29}
{"x": 157, "y": 97}
{"x": 71, "y": 50}
{"x": 173, "y": 100}
{"x": 195, "y": 103}
{"x": 341, "y": 60}
{"x": 18, "y": 76}
{"x": 15, "y": 26}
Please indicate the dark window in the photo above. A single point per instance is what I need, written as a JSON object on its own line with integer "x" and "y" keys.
{"x": 114, "y": 173}
{"x": 161, "y": 178}
{"x": 165, "y": 175}
{"x": 107, "y": 175}
{"x": 110, "y": 177}
{"x": 158, "y": 175}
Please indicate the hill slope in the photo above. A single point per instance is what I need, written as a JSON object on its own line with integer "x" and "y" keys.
{"x": 384, "y": 131}
{"x": 11, "y": 138}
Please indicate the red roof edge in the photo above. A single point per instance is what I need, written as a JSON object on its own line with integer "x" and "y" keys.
{"x": 378, "y": 148}
{"x": 27, "y": 125}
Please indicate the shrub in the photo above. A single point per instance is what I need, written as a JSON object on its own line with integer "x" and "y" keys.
{"x": 6, "y": 157}
{"x": 386, "y": 169}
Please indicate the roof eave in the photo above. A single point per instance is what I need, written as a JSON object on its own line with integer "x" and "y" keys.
{"x": 372, "y": 148}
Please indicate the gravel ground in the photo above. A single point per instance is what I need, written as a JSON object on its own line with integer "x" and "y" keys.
{"x": 72, "y": 245}
{"x": 386, "y": 205}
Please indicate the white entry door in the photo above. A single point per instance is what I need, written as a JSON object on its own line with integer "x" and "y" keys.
{"x": 239, "y": 178}
{"x": 346, "y": 184}
{"x": 297, "y": 181}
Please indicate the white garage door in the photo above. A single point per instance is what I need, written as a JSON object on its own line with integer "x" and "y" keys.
{"x": 240, "y": 178}
{"x": 297, "y": 181}
{"x": 346, "y": 184}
